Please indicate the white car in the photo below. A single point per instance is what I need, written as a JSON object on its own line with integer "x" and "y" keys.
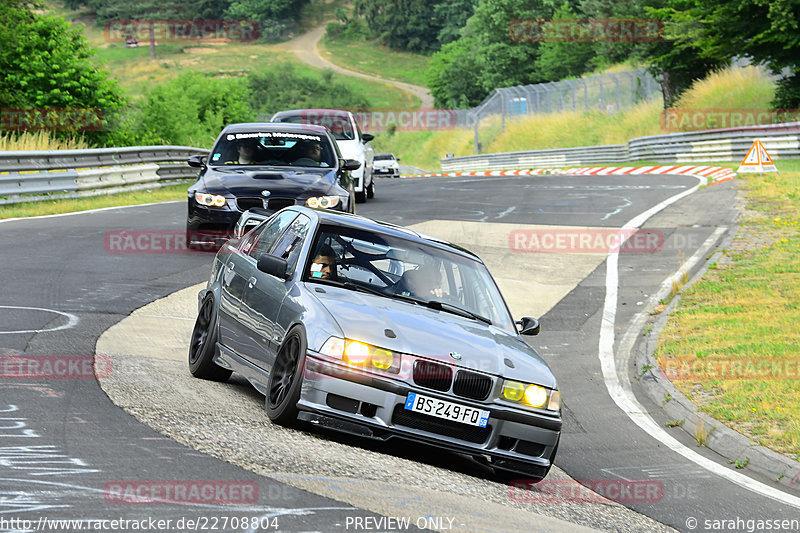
{"x": 353, "y": 144}
{"x": 386, "y": 165}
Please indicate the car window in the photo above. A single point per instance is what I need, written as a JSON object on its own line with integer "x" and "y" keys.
{"x": 401, "y": 268}
{"x": 263, "y": 238}
{"x": 291, "y": 242}
{"x": 339, "y": 124}
{"x": 274, "y": 148}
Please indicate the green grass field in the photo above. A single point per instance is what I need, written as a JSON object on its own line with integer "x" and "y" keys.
{"x": 732, "y": 344}
{"x": 370, "y": 57}
{"x": 71, "y": 205}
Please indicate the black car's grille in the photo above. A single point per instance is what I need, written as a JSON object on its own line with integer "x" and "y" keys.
{"x": 432, "y": 375}
{"x": 245, "y": 203}
{"x": 276, "y": 204}
{"x": 472, "y": 385}
{"x": 432, "y": 424}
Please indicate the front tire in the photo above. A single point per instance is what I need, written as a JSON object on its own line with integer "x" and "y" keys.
{"x": 203, "y": 345}
{"x": 285, "y": 379}
{"x": 371, "y": 188}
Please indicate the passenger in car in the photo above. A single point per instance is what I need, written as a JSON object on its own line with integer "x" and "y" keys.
{"x": 423, "y": 282}
{"x": 309, "y": 154}
{"x": 246, "y": 151}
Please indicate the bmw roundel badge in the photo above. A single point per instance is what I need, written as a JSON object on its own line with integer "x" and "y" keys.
{"x": 265, "y": 193}
{"x": 456, "y": 356}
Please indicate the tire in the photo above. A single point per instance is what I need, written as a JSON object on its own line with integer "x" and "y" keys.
{"x": 361, "y": 197}
{"x": 203, "y": 345}
{"x": 371, "y": 188}
{"x": 285, "y": 379}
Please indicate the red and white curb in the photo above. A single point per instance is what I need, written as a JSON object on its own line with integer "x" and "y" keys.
{"x": 713, "y": 174}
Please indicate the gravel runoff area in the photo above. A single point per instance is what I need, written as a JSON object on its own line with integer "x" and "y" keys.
{"x": 151, "y": 381}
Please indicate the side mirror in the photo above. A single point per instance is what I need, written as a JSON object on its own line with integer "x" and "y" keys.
{"x": 274, "y": 266}
{"x": 528, "y": 326}
{"x": 197, "y": 161}
{"x": 367, "y": 137}
{"x": 351, "y": 164}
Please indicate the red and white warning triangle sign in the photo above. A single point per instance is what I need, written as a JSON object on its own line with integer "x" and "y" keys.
{"x": 757, "y": 160}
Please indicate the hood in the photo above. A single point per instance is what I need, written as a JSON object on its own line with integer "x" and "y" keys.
{"x": 384, "y": 163}
{"x": 434, "y": 334}
{"x": 277, "y": 180}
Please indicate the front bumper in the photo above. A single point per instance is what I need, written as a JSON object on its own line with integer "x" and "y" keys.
{"x": 369, "y": 405}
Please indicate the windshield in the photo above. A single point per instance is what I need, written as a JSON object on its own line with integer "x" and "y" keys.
{"x": 273, "y": 148}
{"x": 398, "y": 268}
{"x": 384, "y": 157}
{"x": 339, "y": 124}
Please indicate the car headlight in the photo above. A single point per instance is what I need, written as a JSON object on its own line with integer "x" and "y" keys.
{"x": 360, "y": 354}
{"x": 531, "y": 395}
{"x": 325, "y": 202}
{"x": 214, "y": 200}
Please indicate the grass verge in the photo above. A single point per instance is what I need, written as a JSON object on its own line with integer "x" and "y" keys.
{"x": 732, "y": 344}
{"x": 370, "y": 57}
{"x": 71, "y": 205}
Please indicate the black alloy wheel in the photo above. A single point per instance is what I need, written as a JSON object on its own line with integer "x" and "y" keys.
{"x": 203, "y": 345}
{"x": 285, "y": 379}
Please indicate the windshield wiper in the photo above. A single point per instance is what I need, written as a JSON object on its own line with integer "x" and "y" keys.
{"x": 450, "y": 308}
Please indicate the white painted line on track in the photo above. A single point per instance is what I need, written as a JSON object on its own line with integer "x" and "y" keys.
{"x": 622, "y": 394}
{"x": 98, "y": 210}
{"x": 72, "y": 320}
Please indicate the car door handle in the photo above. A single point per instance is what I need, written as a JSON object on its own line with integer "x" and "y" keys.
{"x": 251, "y": 282}
{"x": 230, "y": 265}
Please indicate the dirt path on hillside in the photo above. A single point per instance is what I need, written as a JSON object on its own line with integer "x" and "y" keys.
{"x": 306, "y": 48}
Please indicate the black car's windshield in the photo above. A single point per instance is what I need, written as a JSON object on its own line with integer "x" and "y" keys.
{"x": 338, "y": 123}
{"x": 273, "y": 148}
{"x": 395, "y": 267}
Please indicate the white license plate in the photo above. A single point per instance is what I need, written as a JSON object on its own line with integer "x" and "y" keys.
{"x": 447, "y": 410}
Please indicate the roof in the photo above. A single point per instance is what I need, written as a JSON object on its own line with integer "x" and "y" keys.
{"x": 341, "y": 112}
{"x": 274, "y": 126}
{"x": 367, "y": 224}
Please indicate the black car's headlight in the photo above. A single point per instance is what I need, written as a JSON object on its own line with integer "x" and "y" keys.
{"x": 531, "y": 395}
{"x": 325, "y": 202}
{"x": 211, "y": 200}
{"x": 362, "y": 355}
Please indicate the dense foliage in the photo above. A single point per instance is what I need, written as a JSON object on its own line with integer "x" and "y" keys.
{"x": 47, "y": 65}
{"x": 476, "y": 50}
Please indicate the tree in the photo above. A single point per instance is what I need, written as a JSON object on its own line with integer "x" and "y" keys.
{"x": 768, "y": 31}
{"x": 47, "y": 64}
{"x": 453, "y": 15}
{"x": 454, "y": 75}
{"x": 402, "y": 24}
{"x": 562, "y": 59}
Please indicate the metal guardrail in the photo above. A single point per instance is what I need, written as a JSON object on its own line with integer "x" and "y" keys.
{"x": 28, "y": 176}
{"x": 731, "y": 144}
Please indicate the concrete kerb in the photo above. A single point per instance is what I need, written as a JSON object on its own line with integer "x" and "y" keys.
{"x": 712, "y": 173}
{"x": 728, "y": 443}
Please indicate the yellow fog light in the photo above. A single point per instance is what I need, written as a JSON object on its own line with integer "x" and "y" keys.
{"x": 535, "y": 396}
{"x": 356, "y": 352}
{"x": 382, "y": 359}
{"x": 513, "y": 390}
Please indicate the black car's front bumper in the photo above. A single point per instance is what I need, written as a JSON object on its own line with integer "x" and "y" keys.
{"x": 349, "y": 400}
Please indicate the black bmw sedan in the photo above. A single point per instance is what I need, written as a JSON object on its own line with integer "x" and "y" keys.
{"x": 269, "y": 167}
